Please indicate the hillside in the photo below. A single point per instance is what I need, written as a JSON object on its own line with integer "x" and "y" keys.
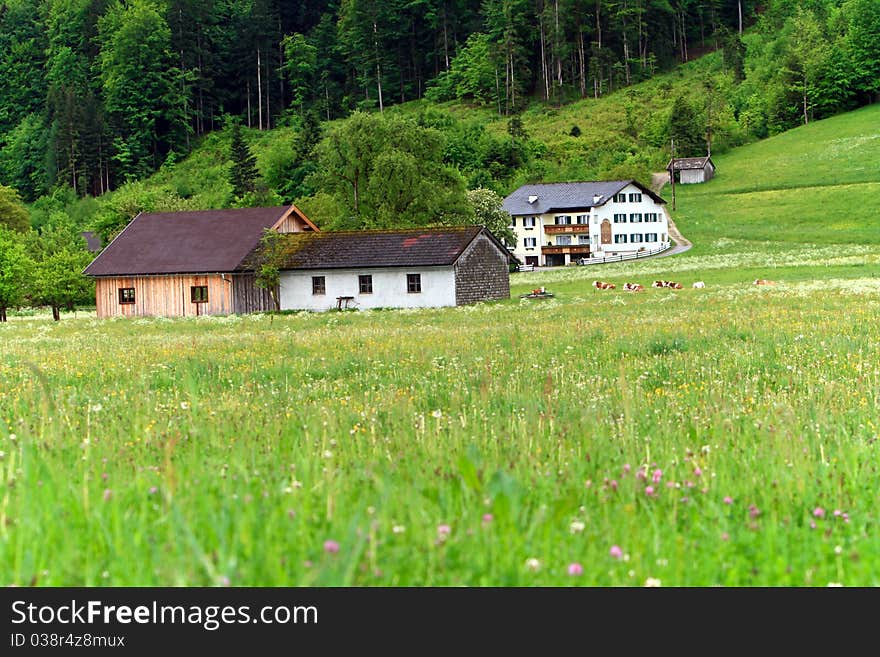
{"x": 796, "y": 207}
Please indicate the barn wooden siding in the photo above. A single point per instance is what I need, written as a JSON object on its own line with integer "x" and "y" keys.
{"x": 164, "y": 295}
{"x": 247, "y": 297}
{"x": 292, "y": 224}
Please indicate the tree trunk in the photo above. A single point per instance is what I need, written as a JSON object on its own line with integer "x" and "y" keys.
{"x": 2, "y": 313}
{"x": 56, "y": 312}
{"x": 259, "y": 93}
{"x": 543, "y": 59}
{"x": 582, "y": 63}
{"x": 378, "y": 67}
{"x": 739, "y": 11}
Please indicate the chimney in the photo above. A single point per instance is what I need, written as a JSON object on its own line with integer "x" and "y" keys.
{"x": 596, "y": 199}
{"x": 533, "y": 198}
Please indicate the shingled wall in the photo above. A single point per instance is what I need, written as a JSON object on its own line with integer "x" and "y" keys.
{"x": 482, "y": 273}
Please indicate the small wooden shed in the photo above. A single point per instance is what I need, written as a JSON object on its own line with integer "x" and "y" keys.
{"x": 689, "y": 170}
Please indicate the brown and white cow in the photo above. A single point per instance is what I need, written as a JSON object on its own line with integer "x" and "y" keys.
{"x": 670, "y": 284}
{"x": 633, "y": 287}
{"x": 764, "y": 281}
{"x": 599, "y": 285}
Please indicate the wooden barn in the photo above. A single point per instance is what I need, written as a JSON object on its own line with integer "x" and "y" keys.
{"x": 689, "y": 170}
{"x": 177, "y": 264}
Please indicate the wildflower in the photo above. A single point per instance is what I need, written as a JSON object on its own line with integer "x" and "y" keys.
{"x": 487, "y": 518}
{"x": 575, "y": 569}
{"x": 153, "y": 490}
{"x": 577, "y": 527}
{"x": 443, "y": 532}
{"x": 107, "y": 494}
{"x": 697, "y": 471}
{"x": 658, "y": 474}
{"x": 838, "y": 549}
{"x": 836, "y": 513}
{"x": 96, "y": 408}
{"x": 615, "y": 552}
{"x": 652, "y": 582}
{"x": 728, "y": 499}
{"x": 641, "y": 474}
{"x": 725, "y": 536}
{"x": 12, "y": 436}
{"x": 328, "y": 454}
{"x": 626, "y": 468}
{"x": 331, "y": 547}
{"x": 834, "y": 585}
{"x": 184, "y": 405}
{"x": 533, "y": 565}
{"x": 398, "y": 529}
{"x": 754, "y": 511}
{"x": 649, "y": 491}
{"x": 613, "y": 484}
{"x": 437, "y": 413}
{"x": 818, "y": 512}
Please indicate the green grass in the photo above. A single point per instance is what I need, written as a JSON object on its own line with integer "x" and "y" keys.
{"x": 228, "y": 450}
{"x": 215, "y": 450}
{"x": 817, "y": 184}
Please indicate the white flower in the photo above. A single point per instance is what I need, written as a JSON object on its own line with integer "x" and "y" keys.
{"x": 398, "y": 529}
{"x": 834, "y": 585}
{"x": 12, "y": 436}
{"x": 328, "y": 454}
{"x": 652, "y": 582}
{"x": 184, "y": 405}
{"x": 437, "y": 413}
{"x": 96, "y": 408}
{"x": 577, "y": 527}
{"x": 532, "y": 564}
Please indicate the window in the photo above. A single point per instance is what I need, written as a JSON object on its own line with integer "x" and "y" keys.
{"x": 563, "y": 219}
{"x": 413, "y": 283}
{"x": 563, "y": 240}
{"x": 513, "y": 222}
{"x": 663, "y": 237}
{"x": 318, "y": 285}
{"x": 530, "y": 242}
{"x": 620, "y": 239}
{"x": 528, "y": 223}
{"x": 365, "y": 284}
{"x": 651, "y": 217}
{"x": 620, "y": 198}
{"x": 583, "y": 219}
{"x": 620, "y": 218}
{"x": 635, "y": 237}
{"x": 650, "y": 237}
{"x": 635, "y": 198}
{"x": 126, "y": 295}
{"x": 635, "y": 218}
{"x": 583, "y": 239}
{"x": 198, "y": 293}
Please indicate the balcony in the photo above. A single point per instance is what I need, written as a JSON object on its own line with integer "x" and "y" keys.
{"x": 552, "y": 229}
{"x": 572, "y": 249}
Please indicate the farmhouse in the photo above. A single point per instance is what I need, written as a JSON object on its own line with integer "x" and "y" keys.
{"x": 187, "y": 263}
{"x": 558, "y": 223}
{"x": 203, "y": 263}
{"x": 689, "y": 170}
{"x": 420, "y": 267}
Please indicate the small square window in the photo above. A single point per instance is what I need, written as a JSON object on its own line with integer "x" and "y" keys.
{"x": 635, "y": 198}
{"x": 199, "y": 293}
{"x": 126, "y": 295}
{"x": 365, "y": 284}
{"x": 318, "y": 285}
{"x": 413, "y": 283}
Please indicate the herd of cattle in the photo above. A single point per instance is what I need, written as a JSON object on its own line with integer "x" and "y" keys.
{"x": 637, "y": 287}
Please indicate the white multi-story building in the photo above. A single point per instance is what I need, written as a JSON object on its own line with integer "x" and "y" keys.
{"x": 559, "y": 223}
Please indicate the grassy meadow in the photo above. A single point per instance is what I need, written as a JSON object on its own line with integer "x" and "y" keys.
{"x": 717, "y": 436}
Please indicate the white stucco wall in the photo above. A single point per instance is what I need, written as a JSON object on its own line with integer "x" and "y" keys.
{"x": 389, "y": 288}
{"x": 597, "y": 215}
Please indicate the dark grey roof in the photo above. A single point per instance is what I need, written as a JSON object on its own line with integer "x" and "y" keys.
{"x": 93, "y": 241}
{"x": 690, "y": 163}
{"x": 416, "y": 247}
{"x": 567, "y": 196}
{"x": 185, "y": 242}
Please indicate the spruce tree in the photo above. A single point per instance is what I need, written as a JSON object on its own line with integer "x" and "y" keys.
{"x": 685, "y": 128}
{"x": 243, "y": 174}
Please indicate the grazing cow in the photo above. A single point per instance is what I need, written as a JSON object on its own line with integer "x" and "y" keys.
{"x": 633, "y": 287}
{"x": 764, "y": 281}
{"x": 599, "y": 285}
{"x": 657, "y": 284}
{"x": 669, "y": 284}
{"x": 699, "y": 284}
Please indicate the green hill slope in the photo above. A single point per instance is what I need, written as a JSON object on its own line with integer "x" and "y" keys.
{"x": 817, "y": 184}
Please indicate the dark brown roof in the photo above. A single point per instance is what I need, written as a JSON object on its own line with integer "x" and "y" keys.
{"x": 185, "y": 242}
{"x": 415, "y": 247}
{"x": 690, "y": 163}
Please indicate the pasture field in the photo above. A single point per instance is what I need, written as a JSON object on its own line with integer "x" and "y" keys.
{"x": 499, "y": 444}
{"x": 726, "y": 435}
